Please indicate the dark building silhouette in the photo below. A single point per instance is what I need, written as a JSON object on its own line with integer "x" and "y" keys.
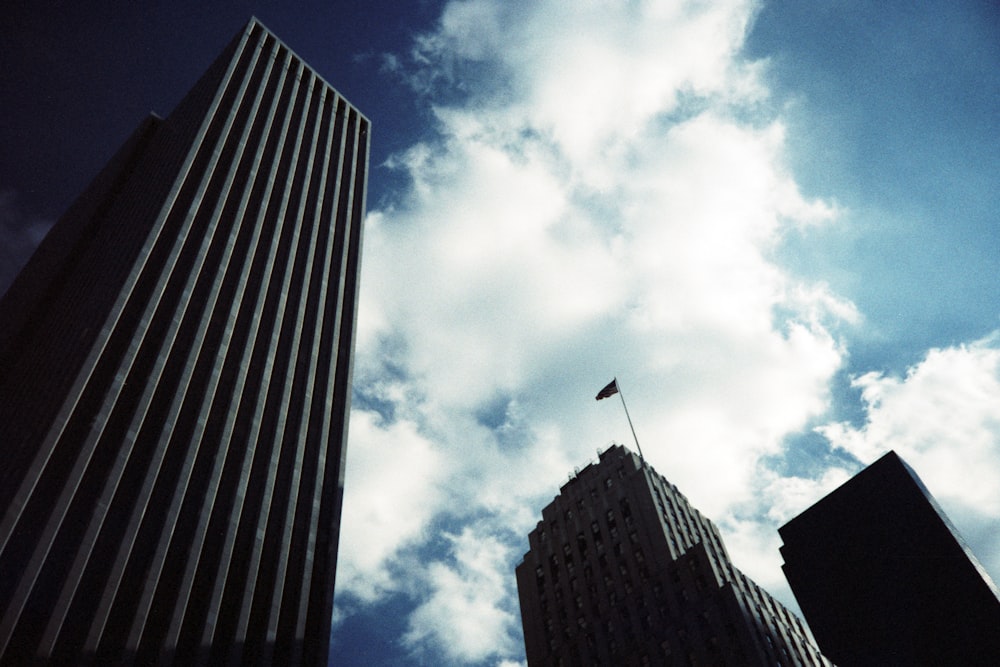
{"x": 623, "y": 571}
{"x": 175, "y": 365}
{"x": 884, "y": 579}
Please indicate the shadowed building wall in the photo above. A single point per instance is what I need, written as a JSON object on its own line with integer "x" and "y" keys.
{"x": 884, "y": 579}
{"x": 622, "y": 570}
{"x": 175, "y": 365}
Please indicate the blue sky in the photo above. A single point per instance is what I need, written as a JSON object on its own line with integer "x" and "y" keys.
{"x": 775, "y": 222}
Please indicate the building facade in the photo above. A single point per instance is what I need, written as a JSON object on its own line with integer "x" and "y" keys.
{"x": 622, "y": 570}
{"x": 883, "y": 577}
{"x": 175, "y": 366}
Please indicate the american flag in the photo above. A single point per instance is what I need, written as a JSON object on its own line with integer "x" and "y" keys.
{"x": 610, "y": 390}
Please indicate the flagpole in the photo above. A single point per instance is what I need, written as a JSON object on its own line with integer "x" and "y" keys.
{"x": 614, "y": 388}
{"x": 621, "y": 394}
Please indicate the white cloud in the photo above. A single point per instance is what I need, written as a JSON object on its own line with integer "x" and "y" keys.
{"x": 607, "y": 202}
{"x": 941, "y": 417}
{"x": 787, "y": 497}
{"x": 391, "y": 493}
{"x": 461, "y": 617}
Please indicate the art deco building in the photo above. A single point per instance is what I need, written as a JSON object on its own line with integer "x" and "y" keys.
{"x": 623, "y": 571}
{"x": 884, "y": 579}
{"x": 175, "y": 365}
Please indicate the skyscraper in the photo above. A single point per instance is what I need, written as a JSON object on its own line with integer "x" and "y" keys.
{"x": 623, "y": 571}
{"x": 884, "y": 579}
{"x": 175, "y": 365}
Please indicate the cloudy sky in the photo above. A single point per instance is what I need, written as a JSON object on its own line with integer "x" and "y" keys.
{"x": 775, "y": 222}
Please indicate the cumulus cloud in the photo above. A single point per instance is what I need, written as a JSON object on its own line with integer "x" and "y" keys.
{"x": 603, "y": 197}
{"x": 461, "y": 617}
{"x": 941, "y": 417}
{"x": 393, "y": 489}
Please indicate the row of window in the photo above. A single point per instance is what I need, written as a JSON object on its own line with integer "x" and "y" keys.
{"x": 775, "y": 619}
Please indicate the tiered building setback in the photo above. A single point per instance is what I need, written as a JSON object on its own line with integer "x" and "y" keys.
{"x": 622, "y": 570}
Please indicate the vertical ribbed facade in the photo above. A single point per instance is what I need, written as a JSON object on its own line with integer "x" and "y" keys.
{"x": 175, "y": 365}
{"x": 623, "y": 571}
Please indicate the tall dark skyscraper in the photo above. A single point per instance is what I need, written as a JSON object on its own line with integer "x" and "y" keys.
{"x": 175, "y": 365}
{"x": 623, "y": 571}
{"x": 884, "y": 579}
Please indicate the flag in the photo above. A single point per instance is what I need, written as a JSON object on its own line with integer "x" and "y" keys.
{"x": 610, "y": 390}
